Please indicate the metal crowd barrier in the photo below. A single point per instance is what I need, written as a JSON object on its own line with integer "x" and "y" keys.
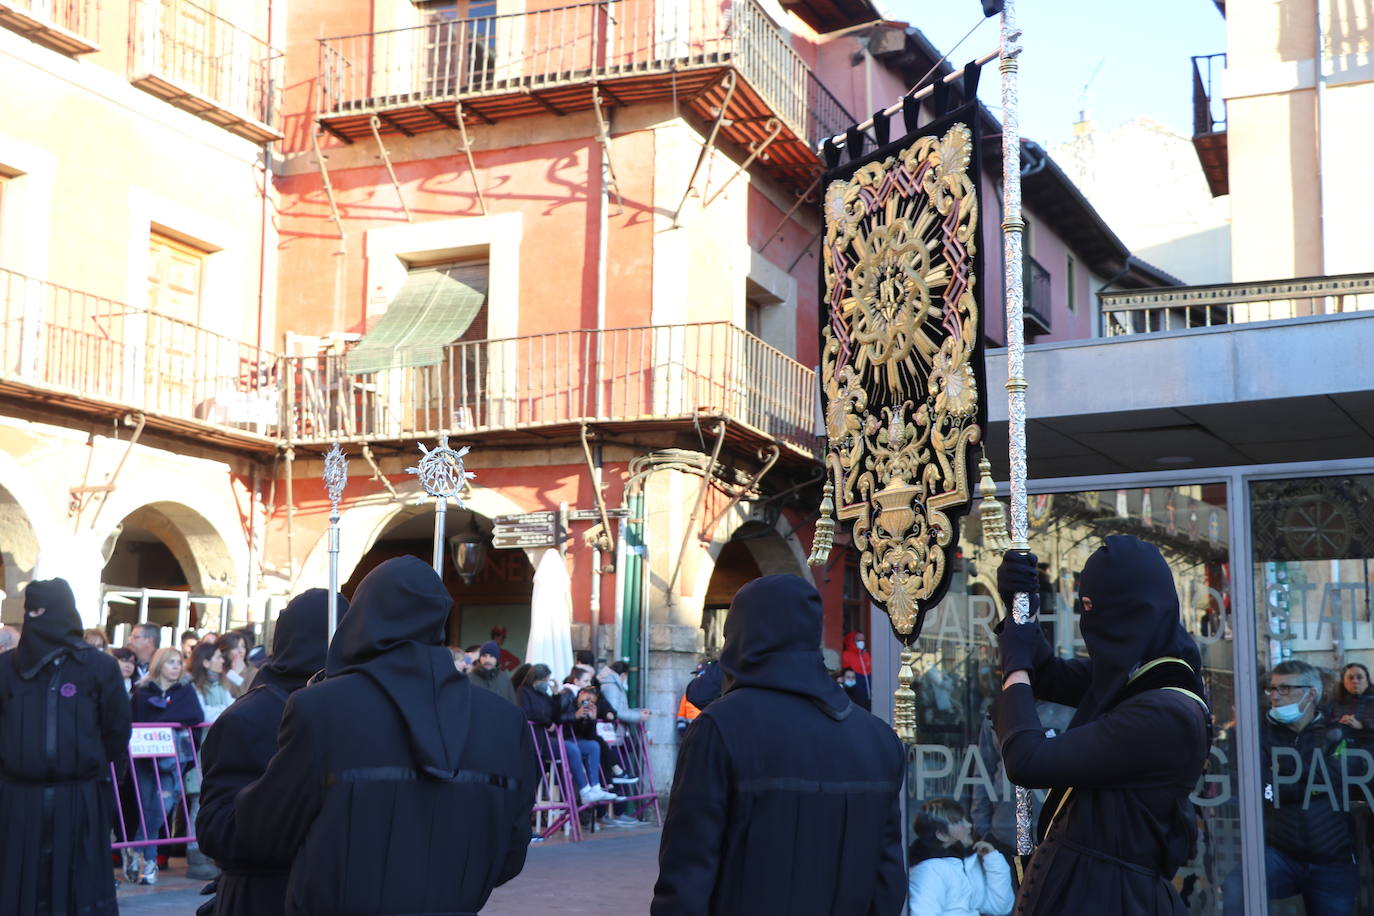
{"x": 557, "y": 805}
{"x": 153, "y": 743}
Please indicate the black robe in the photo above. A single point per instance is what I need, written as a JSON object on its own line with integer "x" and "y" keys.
{"x": 1117, "y": 824}
{"x": 397, "y": 786}
{"x": 64, "y": 717}
{"x": 237, "y": 750}
{"x": 786, "y": 794}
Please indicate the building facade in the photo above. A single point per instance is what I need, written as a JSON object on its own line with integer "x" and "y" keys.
{"x": 577, "y": 239}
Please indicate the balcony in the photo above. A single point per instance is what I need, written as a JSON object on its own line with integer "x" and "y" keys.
{"x": 1186, "y": 308}
{"x": 1036, "y": 295}
{"x": 66, "y": 26}
{"x": 531, "y": 386}
{"x": 710, "y": 57}
{"x": 86, "y": 355}
{"x": 1209, "y": 121}
{"x": 201, "y": 63}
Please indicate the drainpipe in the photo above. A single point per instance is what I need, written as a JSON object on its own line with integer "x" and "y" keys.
{"x": 602, "y": 224}
{"x": 1319, "y": 83}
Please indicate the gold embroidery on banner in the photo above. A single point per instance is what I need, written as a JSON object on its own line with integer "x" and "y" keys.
{"x": 901, "y": 392}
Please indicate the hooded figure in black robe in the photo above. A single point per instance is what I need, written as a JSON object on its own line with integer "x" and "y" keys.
{"x": 785, "y": 798}
{"x": 397, "y": 786}
{"x": 238, "y": 748}
{"x": 64, "y": 717}
{"x": 1117, "y": 823}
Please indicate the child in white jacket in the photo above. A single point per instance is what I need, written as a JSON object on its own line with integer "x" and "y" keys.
{"x": 951, "y": 875}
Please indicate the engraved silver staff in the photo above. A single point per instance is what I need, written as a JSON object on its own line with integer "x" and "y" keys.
{"x": 1012, "y": 228}
{"x": 442, "y": 476}
{"x": 335, "y": 479}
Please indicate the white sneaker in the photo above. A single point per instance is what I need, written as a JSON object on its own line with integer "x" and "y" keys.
{"x": 149, "y": 875}
{"x": 590, "y": 794}
{"x": 609, "y": 796}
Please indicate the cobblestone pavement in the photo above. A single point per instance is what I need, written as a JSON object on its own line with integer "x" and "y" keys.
{"x": 613, "y": 871}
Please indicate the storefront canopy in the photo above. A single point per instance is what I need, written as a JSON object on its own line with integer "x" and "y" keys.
{"x": 434, "y": 307}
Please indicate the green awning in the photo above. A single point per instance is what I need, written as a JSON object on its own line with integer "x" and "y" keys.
{"x": 432, "y": 310}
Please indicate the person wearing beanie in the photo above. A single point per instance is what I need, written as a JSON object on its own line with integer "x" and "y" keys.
{"x": 488, "y": 675}
{"x": 64, "y": 717}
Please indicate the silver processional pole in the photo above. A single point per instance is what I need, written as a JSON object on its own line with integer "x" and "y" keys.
{"x": 443, "y": 477}
{"x": 335, "y": 479}
{"x": 1012, "y": 228}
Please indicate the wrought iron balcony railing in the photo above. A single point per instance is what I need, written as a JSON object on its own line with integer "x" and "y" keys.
{"x": 566, "y": 377}
{"x": 69, "y": 26}
{"x": 544, "y": 49}
{"x": 83, "y": 348}
{"x": 1185, "y": 308}
{"x": 1209, "y": 121}
{"x": 198, "y": 61}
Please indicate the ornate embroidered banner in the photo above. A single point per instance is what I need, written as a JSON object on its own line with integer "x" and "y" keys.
{"x": 902, "y": 357}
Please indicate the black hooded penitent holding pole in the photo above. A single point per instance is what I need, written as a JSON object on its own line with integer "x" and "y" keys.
{"x": 393, "y": 769}
{"x": 1118, "y": 822}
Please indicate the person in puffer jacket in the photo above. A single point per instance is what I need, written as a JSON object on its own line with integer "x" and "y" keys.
{"x": 950, "y": 874}
{"x": 1309, "y": 832}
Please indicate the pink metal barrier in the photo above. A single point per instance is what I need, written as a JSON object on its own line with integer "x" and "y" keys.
{"x": 632, "y": 753}
{"x": 161, "y": 757}
{"x": 558, "y": 805}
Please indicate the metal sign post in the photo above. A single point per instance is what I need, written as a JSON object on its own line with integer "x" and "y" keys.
{"x": 1012, "y": 228}
{"x": 443, "y": 477}
{"x": 335, "y": 479}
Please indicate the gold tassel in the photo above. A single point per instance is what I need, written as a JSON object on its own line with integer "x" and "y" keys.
{"x": 824, "y": 537}
{"x": 991, "y": 513}
{"x": 904, "y": 700}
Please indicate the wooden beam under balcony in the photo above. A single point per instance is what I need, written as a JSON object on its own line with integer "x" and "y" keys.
{"x": 65, "y": 38}
{"x": 205, "y": 108}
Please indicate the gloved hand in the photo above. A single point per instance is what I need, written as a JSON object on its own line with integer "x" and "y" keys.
{"x": 1023, "y": 646}
{"x": 1018, "y": 573}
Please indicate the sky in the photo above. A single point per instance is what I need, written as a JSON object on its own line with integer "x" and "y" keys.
{"x": 1144, "y": 52}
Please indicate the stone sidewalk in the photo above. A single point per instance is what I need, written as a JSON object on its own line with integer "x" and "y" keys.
{"x": 613, "y": 871}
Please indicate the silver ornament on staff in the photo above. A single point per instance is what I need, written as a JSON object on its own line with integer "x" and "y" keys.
{"x": 335, "y": 479}
{"x": 443, "y": 477}
{"x": 1013, "y": 226}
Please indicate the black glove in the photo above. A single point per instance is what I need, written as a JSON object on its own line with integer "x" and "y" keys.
{"x": 1018, "y": 574}
{"x": 1023, "y": 646}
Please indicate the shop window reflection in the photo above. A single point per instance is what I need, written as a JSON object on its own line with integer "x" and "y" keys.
{"x": 1313, "y": 541}
{"x": 958, "y": 671}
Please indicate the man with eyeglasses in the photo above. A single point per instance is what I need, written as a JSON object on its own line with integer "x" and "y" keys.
{"x": 1309, "y": 835}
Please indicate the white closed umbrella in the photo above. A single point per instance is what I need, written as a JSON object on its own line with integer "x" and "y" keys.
{"x": 551, "y": 616}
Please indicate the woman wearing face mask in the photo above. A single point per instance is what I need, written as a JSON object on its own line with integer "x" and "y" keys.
{"x": 543, "y": 705}
{"x": 1118, "y": 823}
{"x": 857, "y": 657}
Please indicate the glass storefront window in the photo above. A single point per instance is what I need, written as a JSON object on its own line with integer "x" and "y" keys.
{"x": 1313, "y": 543}
{"x": 957, "y": 659}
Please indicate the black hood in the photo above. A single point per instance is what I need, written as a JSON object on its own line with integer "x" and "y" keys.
{"x": 56, "y": 632}
{"x": 393, "y": 634}
{"x": 300, "y": 640}
{"x": 773, "y": 640}
{"x": 1133, "y": 619}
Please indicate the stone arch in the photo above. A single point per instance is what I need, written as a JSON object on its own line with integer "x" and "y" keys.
{"x": 200, "y": 549}
{"x": 19, "y": 553}
{"x": 29, "y": 543}
{"x": 778, "y": 551}
{"x": 362, "y": 522}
